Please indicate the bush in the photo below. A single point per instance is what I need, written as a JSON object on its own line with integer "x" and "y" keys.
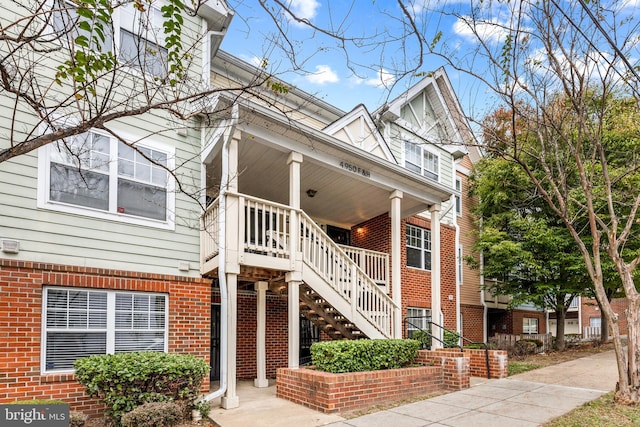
{"x": 38, "y": 402}
{"x": 153, "y": 414}
{"x": 363, "y": 355}
{"x": 127, "y": 380}
{"x": 450, "y": 338}
{"x": 422, "y": 337}
{"x": 77, "y": 419}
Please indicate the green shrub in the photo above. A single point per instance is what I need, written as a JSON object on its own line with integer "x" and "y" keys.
{"x": 203, "y": 407}
{"x": 450, "y": 338}
{"x": 422, "y": 337}
{"x": 363, "y": 355}
{"x": 153, "y": 414}
{"x": 38, "y": 402}
{"x": 126, "y": 380}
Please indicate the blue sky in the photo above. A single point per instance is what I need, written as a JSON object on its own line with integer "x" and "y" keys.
{"x": 367, "y": 72}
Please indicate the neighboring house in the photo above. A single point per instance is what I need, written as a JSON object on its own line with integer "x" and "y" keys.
{"x": 584, "y": 318}
{"x": 319, "y": 224}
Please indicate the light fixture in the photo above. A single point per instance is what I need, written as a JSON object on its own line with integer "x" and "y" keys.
{"x": 311, "y": 192}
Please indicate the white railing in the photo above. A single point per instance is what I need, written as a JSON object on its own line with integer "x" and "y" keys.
{"x": 265, "y": 226}
{"x": 265, "y": 230}
{"x": 375, "y": 264}
{"x": 330, "y": 262}
{"x": 209, "y": 232}
{"x": 591, "y": 333}
{"x": 575, "y": 303}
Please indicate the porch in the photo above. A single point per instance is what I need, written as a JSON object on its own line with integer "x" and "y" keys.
{"x": 275, "y": 193}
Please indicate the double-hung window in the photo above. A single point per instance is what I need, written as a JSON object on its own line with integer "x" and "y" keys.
{"x": 529, "y": 325}
{"x": 417, "y": 319}
{"x": 421, "y": 160}
{"x": 418, "y": 247}
{"x": 83, "y": 322}
{"x": 142, "y": 44}
{"x": 65, "y": 21}
{"x": 458, "y": 196}
{"x": 94, "y": 173}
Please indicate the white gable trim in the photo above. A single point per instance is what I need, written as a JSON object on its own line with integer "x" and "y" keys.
{"x": 366, "y": 125}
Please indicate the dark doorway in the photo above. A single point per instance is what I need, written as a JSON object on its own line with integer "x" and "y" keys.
{"x": 214, "y": 374}
{"x": 339, "y": 235}
{"x": 309, "y": 333}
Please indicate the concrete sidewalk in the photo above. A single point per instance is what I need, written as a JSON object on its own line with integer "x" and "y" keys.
{"x": 527, "y": 399}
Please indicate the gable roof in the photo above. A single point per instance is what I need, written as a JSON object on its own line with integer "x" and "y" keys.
{"x": 368, "y": 136}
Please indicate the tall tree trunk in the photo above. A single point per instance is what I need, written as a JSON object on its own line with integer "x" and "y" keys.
{"x": 560, "y": 320}
{"x": 604, "y": 324}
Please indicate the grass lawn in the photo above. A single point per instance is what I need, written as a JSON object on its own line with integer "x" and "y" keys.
{"x": 602, "y": 412}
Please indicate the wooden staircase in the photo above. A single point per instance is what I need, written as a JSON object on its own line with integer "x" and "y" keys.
{"x": 320, "y": 312}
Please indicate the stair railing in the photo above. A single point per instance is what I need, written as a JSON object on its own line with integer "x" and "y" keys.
{"x": 335, "y": 266}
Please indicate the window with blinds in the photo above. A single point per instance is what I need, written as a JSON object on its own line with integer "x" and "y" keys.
{"x": 80, "y": 322}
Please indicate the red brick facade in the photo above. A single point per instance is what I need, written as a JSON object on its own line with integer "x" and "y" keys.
{"x": 21, "y": 285}
{"x": 276, "y": 334}
{"x": 375, "y": 234}
{"x": 590, "y": 309}
{"x": 472, "y": 322}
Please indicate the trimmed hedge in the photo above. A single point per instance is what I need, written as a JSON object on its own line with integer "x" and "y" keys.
{"x": 153, "y": 414}
{"x": 125, "y": 381}
{"x": 363, "y": 355}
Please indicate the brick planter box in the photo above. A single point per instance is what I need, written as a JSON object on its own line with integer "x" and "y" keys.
{"x": 328, "y": 393}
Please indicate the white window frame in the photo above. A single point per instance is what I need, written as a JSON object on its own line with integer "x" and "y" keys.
{"x": 124, "y": 18}
{"x": 458, "y": 197}
{"x": 425, "y": 249}
{"x": 44, "y": 185}
{"x": 111, "y": 322}
{"x": 412, "y": 324}
{"x": 528, "y": 324}
{"x": 595, "y": 322}
{"x": 423, "y": 166}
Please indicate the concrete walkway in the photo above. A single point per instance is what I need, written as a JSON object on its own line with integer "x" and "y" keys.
{"x": 527, "y": 399}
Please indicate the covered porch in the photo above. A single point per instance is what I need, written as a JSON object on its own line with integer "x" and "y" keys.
{"x": 286, "y": 202}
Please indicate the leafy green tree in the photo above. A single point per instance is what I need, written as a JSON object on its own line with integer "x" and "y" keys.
{"x": 524, "y": 246}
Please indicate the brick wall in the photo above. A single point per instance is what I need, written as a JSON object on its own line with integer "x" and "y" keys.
{"x": 276, "y": 334}
{"x": 590, "y": 309}
{"x": 472, "y": 322}
{"x": 329, "y": 393}
{"x": 21, "y": 319}
{"x": 375, "y": 234}
{"x": 498, "y": 360}
{"x": 519, "y": 315}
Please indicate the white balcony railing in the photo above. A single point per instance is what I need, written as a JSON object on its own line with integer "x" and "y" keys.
{"x": 375, "y": 264}
{"x": 265, "y": 227}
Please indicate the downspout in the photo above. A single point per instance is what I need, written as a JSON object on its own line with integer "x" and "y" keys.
{"x": 222, "y": 258}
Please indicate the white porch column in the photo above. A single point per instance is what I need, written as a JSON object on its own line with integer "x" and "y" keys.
{"x": 436, "y": 306}
{"x": 293, "y": 286}
{"x": 261, "y": 348}
{"x": 230, "y": 399}
{"x": 294, "y": 278}
{"x": 396, "y": 248}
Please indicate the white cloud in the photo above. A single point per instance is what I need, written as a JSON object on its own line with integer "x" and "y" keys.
{"x": 382, "y": 79}
{"x": 492, "y": 31}
{"x": 303, "y": 9}
{"x": 323, "y": 75}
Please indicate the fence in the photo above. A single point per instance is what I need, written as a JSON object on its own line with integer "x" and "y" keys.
{"x": 591, "y": 333}
{"x": 505, "y": 341}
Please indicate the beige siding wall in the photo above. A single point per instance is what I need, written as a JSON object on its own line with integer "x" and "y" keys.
{"x": 47, "y": 235}
{"x": 470, "y": 288}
